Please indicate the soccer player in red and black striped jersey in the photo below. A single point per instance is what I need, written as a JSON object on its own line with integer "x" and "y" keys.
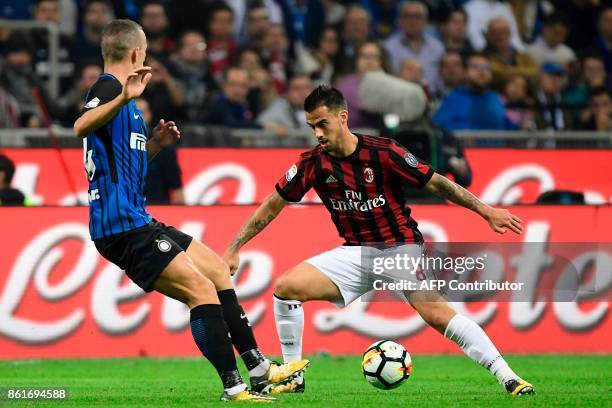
{"x": 359, "y": 179}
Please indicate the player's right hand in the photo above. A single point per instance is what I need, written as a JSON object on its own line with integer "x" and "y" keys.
{"x": 136, "y": 82}
{"x": 232, "y": 259}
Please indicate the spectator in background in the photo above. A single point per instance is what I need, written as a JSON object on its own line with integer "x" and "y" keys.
{"x": 258, "y": 23}
{"x": 593, "y": 75}
{"x": 480, "y": 13}
{"x": 274, "y": 53}
{"x": 49, "y": 11}
{"x": 86, "y": 47}
{"x": 18, "y": 79}
{"x": 355, "y": 33}
{"x": 191, "y": 67}
{"x": 518, "y": 104}
{"x": 71, "y": 103}
{"x": 371, "y": 56}
{"x": 10, "y": 115}
{"x": 164, "y": 182}
{"x": 8, "y": 195}
{"x": 603, "y": 43}
{"x": 598, "y": 114}
{"x": 474, "y": 106}
{"x": 412, "y": 42}
{"x": 164, "y": 93}
{"x": 411, "y": 71}
{"x": 324, "y": 61}
{"x": 506, "y": 61}
{"x": 552, "y": 113}
{"x": 454, "y": 33}
{"x": 383, "y": 16}
{"x": 221, "y": 45}
{"x": 232, "y": 108}
{"x": 261, "y": 91}
{"x": 155, "y": 24}
{"x": 452, "y": 74}
{"x": 550, "y": 47}
{"x": 286, "y": 113}
{"x": 584, "y": 15}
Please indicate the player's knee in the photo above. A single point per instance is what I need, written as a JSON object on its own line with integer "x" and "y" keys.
{"x": 202, "y": 290}
{"x": 287, "y": 288}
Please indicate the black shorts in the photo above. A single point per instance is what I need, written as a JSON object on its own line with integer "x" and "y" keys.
{"x": 144, "y": 252}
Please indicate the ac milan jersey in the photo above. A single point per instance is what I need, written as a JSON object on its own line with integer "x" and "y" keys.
{"x": 363, "y": 191}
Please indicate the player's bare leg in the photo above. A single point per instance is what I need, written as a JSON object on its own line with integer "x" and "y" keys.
{"x": 182, "y": 281}
{"x": 264, "y": 374}
{"x": 300, "y": 284}
{"x": 470, "y": 337}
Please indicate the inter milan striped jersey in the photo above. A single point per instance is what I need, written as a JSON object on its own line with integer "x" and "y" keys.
{"x": 363, "y": 191}
{"x": 116, "y": 165}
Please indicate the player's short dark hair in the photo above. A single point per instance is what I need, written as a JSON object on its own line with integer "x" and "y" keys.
{"x": 7, "y": 167}
{"x": 325, "y": 95}
{"x": 118, "y": 37}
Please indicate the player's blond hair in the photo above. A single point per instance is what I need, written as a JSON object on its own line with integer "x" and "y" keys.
{"x": 118, "y": 38}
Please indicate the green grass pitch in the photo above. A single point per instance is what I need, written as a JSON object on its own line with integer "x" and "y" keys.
{"x": 448, "y": 381}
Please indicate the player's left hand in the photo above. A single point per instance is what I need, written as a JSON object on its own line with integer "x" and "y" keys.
{"x": 501, "y": 220}
{"x": 167, "y": 133}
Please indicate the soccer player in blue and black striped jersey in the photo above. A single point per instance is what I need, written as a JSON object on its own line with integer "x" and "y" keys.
{"x": 155, "y": 256}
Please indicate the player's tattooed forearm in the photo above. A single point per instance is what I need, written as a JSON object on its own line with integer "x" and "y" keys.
{"x": 457, "y": 194}
{"x": 253, "y": 227}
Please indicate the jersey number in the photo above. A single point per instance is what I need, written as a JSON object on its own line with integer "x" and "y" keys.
{"x": 90, "y": 166}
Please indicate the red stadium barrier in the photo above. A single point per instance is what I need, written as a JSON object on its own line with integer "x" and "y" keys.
{"x": 58, "y": 298}
{"x": 246, "y": 176}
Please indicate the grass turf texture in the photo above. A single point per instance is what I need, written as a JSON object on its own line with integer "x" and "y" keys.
{"x": 449, "y": 381}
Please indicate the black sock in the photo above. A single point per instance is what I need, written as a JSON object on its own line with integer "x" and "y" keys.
{"x": 212, "y": 338}
{"x": 240, "y": 329}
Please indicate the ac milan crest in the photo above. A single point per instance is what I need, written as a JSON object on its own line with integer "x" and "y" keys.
{"x": 368, "y": 175}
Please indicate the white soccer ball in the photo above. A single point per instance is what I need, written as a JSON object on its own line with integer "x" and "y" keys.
{"x": 386, "y": 364}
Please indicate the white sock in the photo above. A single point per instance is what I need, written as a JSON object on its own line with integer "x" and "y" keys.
{"x": 236, "y": 389}
{"x": 289, "y": 317}
{"x": 476, "y": 344}
{"x": 260, "y": 370}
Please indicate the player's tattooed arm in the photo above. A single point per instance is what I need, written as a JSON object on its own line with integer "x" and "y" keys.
{"x": 263, "y": 216}
{"x": 498, "y": 218}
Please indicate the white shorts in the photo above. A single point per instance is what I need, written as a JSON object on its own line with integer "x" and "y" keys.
{"x": 344, "y": 267}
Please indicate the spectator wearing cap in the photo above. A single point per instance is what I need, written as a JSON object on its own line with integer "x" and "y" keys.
{"x": 552, "y": 112}
{"x": 480, "y": 13}
{"x": 454, "y": 33}
{"x": 506, "y": 60}
{"x": 8, "y": 195}
{"x": 19, "y": 80}
{"x": 411, "y": 41}
{"x": 86, "y": 47}
{"x": 550, "y": 45}
{"x": 156, "y": 25}
{"x": 598, "y": 113}
{"x": 286, "y": 114}
{"x": 473, "y": 106}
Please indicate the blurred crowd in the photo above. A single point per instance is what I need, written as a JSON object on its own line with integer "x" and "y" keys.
{"x": 484, "y": 64}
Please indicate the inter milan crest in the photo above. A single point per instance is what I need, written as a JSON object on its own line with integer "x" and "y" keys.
{"x": 368, "y": 175}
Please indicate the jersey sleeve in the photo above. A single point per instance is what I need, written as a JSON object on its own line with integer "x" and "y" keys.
{"x": 297, "y": 181}
{"x": 407, "y": 166}
{"x": 103, "y": 91}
